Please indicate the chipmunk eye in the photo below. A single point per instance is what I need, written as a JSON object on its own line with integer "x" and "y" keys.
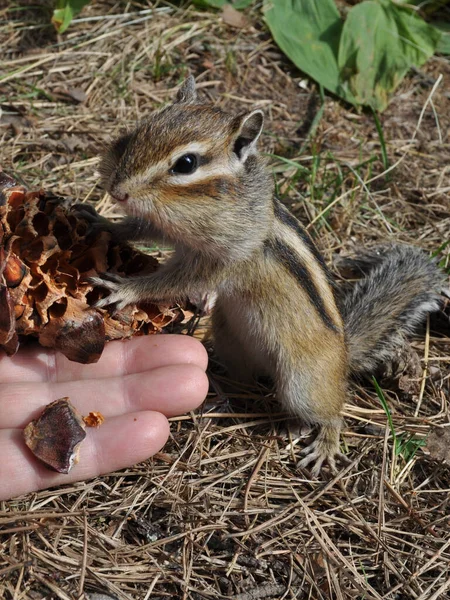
{"x": 185, "y": 165}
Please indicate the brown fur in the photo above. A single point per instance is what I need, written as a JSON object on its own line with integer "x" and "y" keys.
{"x": 275, "y": 311}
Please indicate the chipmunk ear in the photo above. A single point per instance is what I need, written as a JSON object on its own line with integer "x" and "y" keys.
{"x": 249, "y": 127}
{"x": 187, "y": 94}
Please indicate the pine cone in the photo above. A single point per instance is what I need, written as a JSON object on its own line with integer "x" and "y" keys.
{"x": 47, "y": 253}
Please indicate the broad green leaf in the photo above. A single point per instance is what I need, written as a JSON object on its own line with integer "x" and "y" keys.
{"x": 362, "y": 60}
{"x": 65, "y": 11}
{"x": 361, "y": 51}
{"x": 443, "y": 45}
{"x": 380, "y": 42}
{"x": 241, "y": 4}
{"x": 308, "y": 32}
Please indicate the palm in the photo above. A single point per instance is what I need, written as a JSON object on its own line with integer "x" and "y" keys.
{"x": 136, "y": 385}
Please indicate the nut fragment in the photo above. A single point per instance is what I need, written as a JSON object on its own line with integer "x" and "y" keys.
{"x": 94, "y": 419}
{"x": 56, "y": 435}
{"x": 78, "y": 332}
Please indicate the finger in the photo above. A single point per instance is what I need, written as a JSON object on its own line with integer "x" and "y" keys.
{"x": 120, "y": 442}
{"x": 119, "y": 358}
{"x": 171, "y": 390}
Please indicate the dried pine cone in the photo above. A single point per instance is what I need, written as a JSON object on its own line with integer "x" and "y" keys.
{"x": 46, "y": 255}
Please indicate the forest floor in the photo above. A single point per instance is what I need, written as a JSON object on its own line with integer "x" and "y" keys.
{"x": 223, "y": 511}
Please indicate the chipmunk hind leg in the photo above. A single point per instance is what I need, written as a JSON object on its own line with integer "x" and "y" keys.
{"x": 315, "y": 395}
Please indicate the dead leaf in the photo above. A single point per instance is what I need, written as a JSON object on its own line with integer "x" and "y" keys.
{"x": 11, "y": 116}
{"x": 76, "y": 94}
{"x": 438, "y": 444}
{"x": 233, "y": 17}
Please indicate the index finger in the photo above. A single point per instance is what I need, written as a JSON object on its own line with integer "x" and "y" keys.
{"x": 122, "y": 357}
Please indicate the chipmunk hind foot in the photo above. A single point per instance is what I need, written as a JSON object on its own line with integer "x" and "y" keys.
{"x": 325, "y": 448}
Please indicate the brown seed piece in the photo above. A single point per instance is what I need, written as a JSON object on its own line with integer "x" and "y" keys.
{"x": 56, "y": 435}
{"x": 94, "y": 419}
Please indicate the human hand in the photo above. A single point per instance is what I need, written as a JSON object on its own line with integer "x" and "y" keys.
{"x": 136, "y": 385}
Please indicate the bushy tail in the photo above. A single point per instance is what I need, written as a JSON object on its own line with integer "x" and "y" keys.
{"x": 401, "y": 286}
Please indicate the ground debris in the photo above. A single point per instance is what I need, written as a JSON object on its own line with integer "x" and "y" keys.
{"x": 267, "y": 590}
{"x": 438, "y": 444}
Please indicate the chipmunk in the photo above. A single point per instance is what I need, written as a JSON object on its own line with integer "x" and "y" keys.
{"x": 191, "y": 174}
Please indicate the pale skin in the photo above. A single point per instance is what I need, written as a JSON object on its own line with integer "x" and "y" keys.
{"x": 136, "y": 385}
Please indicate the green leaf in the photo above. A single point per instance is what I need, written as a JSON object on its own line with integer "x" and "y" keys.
{"x": 308, "y": 32}
{"x": 241, "y": 4}
{"x": 379, "y": 44}
{"x": 443, "y": 45}
{"x": 65, "y": 11}
{"x": 361, "y": 51}
{"x": 362, "y": 60}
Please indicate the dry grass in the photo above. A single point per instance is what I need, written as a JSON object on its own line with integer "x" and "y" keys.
{"x": 223, "y": 512}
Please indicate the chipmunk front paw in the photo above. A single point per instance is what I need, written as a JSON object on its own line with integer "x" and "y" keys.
{"x": 122, "y": 290}
{"x": 96, "y": 223}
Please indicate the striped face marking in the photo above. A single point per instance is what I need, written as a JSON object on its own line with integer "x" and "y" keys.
{"x": 192, "y": 163}
{"x": 190, "y": 152}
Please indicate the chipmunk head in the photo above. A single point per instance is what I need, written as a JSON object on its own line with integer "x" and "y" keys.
{"x": 193, "y": 171}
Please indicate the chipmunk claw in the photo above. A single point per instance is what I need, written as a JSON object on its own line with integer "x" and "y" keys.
{"x": 324, "y": 448}
{"x": 118, "y": 287}
{"x": 318, "y": 457}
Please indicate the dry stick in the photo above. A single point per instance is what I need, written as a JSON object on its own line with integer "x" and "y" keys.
{"x": 179, "y": 536}
{"x": 261, "y": 459}
{"x": 422, "y": 569}
{"x": 334, "y": 579}
{"x": 52, "y": 587}
{"x": 24, "y": 528}
{"x": 277, "y": 520}
{"x": 13, "y": 568}
{"x": 19, "y": 582}
{"x": 222, "y": 479}
{"x": 23, "y": 70}
{"x": 332, "y": 551}
{"x": 291, "y": 579}
{"x": 438, "y": 594}
{"x": 231, "y": 415}
{"x": 425, "y": 368}
{"x": 85, "y": 555}
{"x": 364, "y": 523}
{"x": 108, "y": 585}
{"x": 381, "y": 519}
{"x": 39, "y": 515}
{"x": 412, "y": 513}
{"x": 152, "y": 586}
